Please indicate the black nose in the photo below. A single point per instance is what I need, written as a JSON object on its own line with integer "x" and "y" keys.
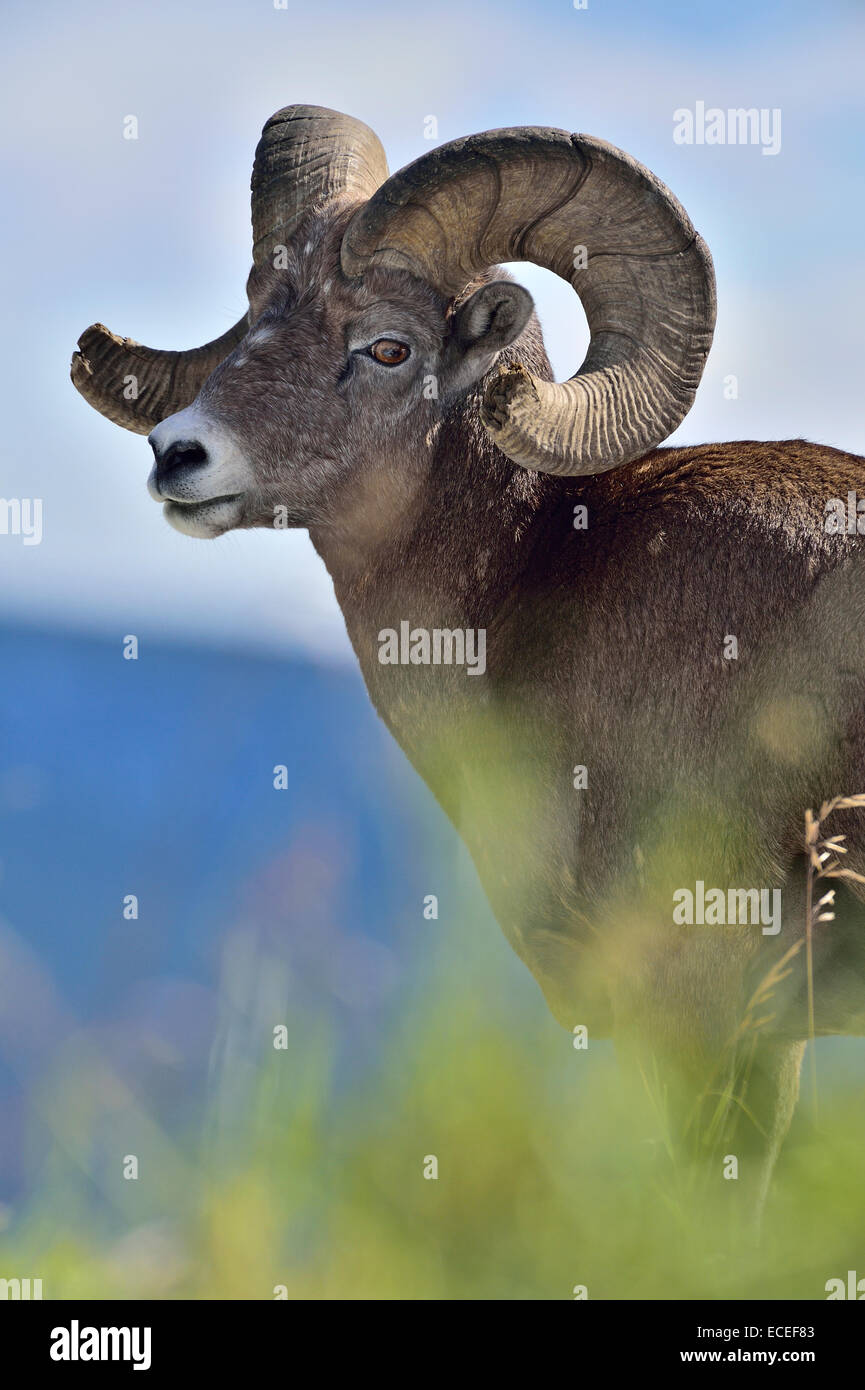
{"x": 185, "y": 453}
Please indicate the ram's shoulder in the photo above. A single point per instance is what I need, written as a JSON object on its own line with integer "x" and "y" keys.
{"x": 750, "y": 470}
{"x": 787, "y": 486}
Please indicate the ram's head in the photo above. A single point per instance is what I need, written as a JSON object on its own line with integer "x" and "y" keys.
{"x": 373, "y": 307}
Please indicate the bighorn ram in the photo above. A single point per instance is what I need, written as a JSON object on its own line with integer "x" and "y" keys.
{"x": 666, "y": 644}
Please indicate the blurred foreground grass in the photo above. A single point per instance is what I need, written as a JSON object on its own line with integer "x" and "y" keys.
{"x": 306, "y": 1176}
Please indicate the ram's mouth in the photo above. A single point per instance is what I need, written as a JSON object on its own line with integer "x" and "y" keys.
{"x": 206, "y": 518}
{"x": 204, "y": 502}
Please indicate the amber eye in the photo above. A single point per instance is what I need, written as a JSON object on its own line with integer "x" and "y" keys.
{"x": 389, "y": 352}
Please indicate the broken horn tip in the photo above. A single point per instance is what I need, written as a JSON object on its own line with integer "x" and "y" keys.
{"x": 79, "y": 368}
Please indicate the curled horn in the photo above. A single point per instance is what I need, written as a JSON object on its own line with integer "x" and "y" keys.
{"x": 592, "y": 214}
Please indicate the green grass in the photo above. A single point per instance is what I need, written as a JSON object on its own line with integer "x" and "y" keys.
{"x": 550, "y": 1173}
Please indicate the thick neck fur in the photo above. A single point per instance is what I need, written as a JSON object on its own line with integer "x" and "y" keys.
{"x": 447, "y": 545}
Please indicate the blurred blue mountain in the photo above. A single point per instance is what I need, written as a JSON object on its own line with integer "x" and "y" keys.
{"x": 155, "y": 778}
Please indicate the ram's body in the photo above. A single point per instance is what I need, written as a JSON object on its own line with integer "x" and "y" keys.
{"x": 607, "y": 648}
{"x": 674, "y": 666}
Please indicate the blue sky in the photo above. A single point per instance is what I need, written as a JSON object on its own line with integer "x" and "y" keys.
{"x": 152, "y": 237}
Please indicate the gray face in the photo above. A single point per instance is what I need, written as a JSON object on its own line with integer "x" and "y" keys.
{"x": 338, "y": 385}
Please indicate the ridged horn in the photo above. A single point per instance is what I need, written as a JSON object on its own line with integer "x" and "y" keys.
{"x": 306, "y": 155}
{"x": 107, "y": 369}
{"x": 559, "y": 200}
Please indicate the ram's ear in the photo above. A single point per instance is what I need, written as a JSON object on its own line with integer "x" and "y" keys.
{"x": 490, "y": 320}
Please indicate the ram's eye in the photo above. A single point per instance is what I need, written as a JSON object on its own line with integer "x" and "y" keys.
{"x": 389, "y": 352}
